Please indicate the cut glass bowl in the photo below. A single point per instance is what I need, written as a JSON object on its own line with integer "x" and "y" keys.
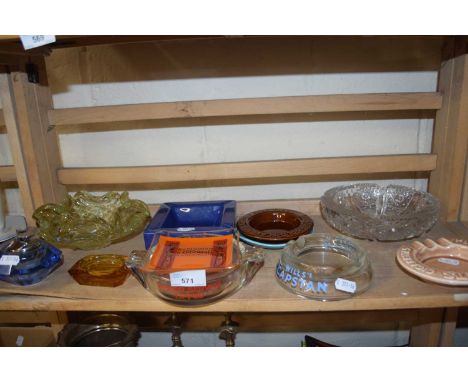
{"x": 86, "y": 221}
{"x": 384, "y": 213}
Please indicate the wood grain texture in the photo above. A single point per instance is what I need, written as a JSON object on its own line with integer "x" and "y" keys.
{"x": 7, "y": 174}
{"x": 17, "y": 151}
{"x": 34, "y": 146}
{"x": 427, "y": 329}
{"x": 391, "y": 287}
{"x": 248, "y": 170}
{"x": 248, "y": 106}
{"x": 243, "y": 56}
{"x": 450, "y": 141}
{"x": 449, "y": 325}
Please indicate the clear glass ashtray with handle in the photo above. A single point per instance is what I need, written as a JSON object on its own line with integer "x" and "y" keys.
{"x": 384, "y": 213}
{"x": 195, "y": 269}
{"x": 324, "y": 267}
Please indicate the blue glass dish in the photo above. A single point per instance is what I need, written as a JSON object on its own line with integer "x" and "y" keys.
{"x": 181, "y": 218}
{"x": 36, "y": 260}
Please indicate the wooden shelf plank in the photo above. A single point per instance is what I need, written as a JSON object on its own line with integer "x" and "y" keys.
{"x": 248, "y": 106}
{"x": 7, "y": 174}
{"x": 391, "y": 287}
{"x": 248, "y": 170}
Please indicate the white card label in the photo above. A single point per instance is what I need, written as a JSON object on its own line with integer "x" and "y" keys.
{"x": 188, "y": 278}
{"x": 185, "y": 229}
{"x": 345, "y": 285}
{"x": 449, "y": 261}
{"x": 34, "y": 41}
{"x": 9, "y": 260}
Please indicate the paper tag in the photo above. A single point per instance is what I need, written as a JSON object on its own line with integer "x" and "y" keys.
{"x": 185, "y": 229}
{"x": 449, "y": 261}
{"x": 9, "y": 260}
{"x": 345, "y": 285}
{"x": 34, "y": 41}
{"x": 189, "y": 278}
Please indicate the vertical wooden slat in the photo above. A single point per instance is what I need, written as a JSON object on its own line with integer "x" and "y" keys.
{"x": 34, "y": 146}
{"x": 450, "y": 141}
{"x": 11, "y": 122}
{"x": 448, "y": 327}
{"x": 427, "y": 328}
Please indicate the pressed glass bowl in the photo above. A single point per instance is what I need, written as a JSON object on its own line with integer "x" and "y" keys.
{"x": 86, "y": 221}
{"x": 385, "y": 213}
{"x": 324, "y": 267}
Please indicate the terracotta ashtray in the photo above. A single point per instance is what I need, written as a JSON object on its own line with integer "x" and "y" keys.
{"x": 274, "y": 225}
{"x": 442, "y": 261}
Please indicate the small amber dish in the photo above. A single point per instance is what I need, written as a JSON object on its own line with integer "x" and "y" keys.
{"x": 100, "y": 270}
{"x": 274, "y": 225}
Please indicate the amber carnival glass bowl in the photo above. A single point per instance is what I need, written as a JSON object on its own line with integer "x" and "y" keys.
{"x": 384, "y": 213}
{"x": 87, "y": 221}
{"x": 324, "y": 267}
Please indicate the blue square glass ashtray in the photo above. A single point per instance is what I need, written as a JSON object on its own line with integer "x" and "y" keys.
{"x": 183, "y": 218}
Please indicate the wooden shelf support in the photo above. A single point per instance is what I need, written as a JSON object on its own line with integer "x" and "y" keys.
{"x": 248, "y": 106}
{"x": 34, "y": 146}
{"x": 450, "y": 141}
{"x": 248, "y": 170}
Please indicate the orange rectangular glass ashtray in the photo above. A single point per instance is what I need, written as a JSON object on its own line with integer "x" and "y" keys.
{"x": 213, "y": 253}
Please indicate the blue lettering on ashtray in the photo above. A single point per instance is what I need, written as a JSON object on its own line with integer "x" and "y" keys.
{"x": 300, "y": 279}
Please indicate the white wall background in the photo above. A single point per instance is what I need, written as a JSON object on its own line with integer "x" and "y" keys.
{"x": 202, "y": 144}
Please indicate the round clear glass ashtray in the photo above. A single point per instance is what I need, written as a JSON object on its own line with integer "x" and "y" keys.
{"x": 324, "y": 267}
{"x": 385, "y": 213}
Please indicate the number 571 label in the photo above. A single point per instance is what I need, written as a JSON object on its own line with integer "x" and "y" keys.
{"x": 188, "y": 278}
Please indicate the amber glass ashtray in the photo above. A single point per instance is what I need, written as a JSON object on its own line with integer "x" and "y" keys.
{"x": 100, "y": 270}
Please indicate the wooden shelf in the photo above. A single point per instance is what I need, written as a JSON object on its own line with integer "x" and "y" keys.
{"x": 391, "y": 287}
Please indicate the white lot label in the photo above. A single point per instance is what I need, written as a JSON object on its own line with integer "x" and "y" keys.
{"x": 449, "y": 261}
{"x": 9, "y": 260}
{"x": 189, "y": 278}
{"x": 345, "y": 285}
{"x": 34, "y": 41}
{"x": 185, "y": 229}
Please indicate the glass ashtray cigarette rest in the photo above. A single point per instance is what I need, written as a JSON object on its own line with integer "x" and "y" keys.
{"x": 324, "y": 267}
{"x": 105, "y": 270}
{"x": 195, "y": 270}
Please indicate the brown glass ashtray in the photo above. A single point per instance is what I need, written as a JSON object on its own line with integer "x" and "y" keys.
{"x": 275, "y": 225}
{"x": 100, "y": 270}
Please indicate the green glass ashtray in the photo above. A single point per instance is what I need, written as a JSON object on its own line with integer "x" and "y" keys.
{"x": 86, "y": 221}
